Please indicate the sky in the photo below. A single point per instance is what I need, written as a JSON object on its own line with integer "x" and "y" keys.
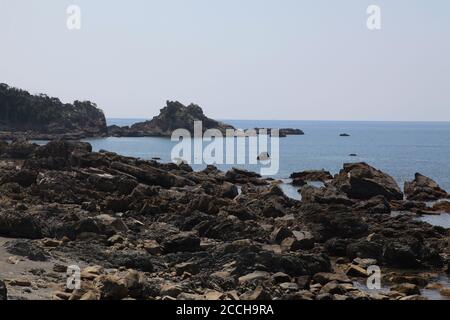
{"x": 237, "y": 59}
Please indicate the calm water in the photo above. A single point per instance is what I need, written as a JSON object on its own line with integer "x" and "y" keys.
{"x": 398, "y": 148}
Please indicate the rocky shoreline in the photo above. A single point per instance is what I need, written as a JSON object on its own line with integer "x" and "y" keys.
{"x": 145, "y": 230}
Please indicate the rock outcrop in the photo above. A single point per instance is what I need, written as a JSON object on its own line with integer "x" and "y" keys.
{"x": 312, "y": 175}
{"x": 361, "y": 181}
{"x": 424, "y": 189}
{"x": 174, "y": 116}
{"x": 41, "y": 117}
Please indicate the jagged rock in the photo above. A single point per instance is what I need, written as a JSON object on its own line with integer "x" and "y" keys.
{"x": 20, "y": 224}
{"x": 329, "y": 222}
{"x": 424, "y": 189}
{"x": 377, "y": 204}
{"x": 324, "y": 195}
{"x": 172, "y": 117}
{"x": 361, "y": 181}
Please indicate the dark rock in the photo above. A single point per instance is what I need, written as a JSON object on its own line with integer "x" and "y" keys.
{"x": 424, "y": 189}
{"x": 365, "y": 249}
{"x": 132, "y": 259}
{"x": 24, "y": 178}
{"x": 182, "y": 242}
{"x": 324, "y": 195}
{"x": 361, "y": 181}
{"x": 229, "y": 190}
{"x": 26, "y": 248}
{"x": 334, "y": 221}
{"x": 298, "y": 182}
{"x": 20, "y": 224}
{"x": 377, "y": 204}
{"x": 281, "y": 233}
{"x": 3, "y": 291}
{"x": 402, "y": 255}
{"x": 18, "y": 149}
{"x": 337, "y": 247}
{"x": 312, "y": 175}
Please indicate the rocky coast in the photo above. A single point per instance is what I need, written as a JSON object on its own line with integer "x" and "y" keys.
{"x": 150, "y": 231}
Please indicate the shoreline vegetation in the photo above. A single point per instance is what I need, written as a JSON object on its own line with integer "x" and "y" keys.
{"x": 147, "y": 230}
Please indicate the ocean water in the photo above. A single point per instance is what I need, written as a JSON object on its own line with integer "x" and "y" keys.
{"x": 398, "y": 148}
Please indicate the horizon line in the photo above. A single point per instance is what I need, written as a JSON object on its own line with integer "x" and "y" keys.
{"x": 310, "y": 120}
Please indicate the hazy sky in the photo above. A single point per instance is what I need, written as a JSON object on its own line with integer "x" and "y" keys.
{"x": 238, "y": 59}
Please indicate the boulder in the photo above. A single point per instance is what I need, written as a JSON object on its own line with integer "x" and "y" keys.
{"x": 20, "y": 224}
{"x": 361, "y": 181}
{"x": 423, "y": 188}
{"x": 181, "y": 242}
{"x": 312, "y": 175}
{"x": 376, "y": 205}
{"x": 324, "y": 195}
{"x": 111, "y": 287}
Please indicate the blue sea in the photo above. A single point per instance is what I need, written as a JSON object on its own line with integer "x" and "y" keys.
{"x": 398, "y": 148}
